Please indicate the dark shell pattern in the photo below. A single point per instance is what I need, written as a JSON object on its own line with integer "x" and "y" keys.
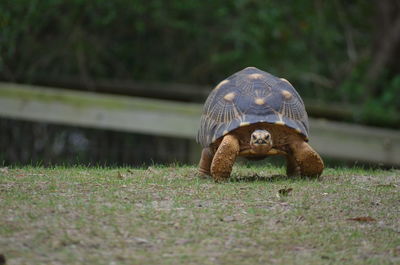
{"x": 247, "y": 97}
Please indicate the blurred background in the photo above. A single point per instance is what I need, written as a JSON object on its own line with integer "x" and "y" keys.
{"x": 122, "y": 82}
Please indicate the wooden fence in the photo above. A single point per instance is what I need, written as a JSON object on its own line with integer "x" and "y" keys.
{"x": 170, "y": 118}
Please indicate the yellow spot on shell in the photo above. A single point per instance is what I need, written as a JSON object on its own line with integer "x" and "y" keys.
{"x": 286, "y": 94}
{"x": 244, "y": 124}
{"x": 279, "y": 123}
{"x": 225, "y": 132}
{"x": 230, "y": 96}
{"x": 284, "y": 80}
{"x": 255, "y": 76}
{"x": 298, "y": 130}
{"x": 259, "y": 101}
{"x": 221, "y": 84}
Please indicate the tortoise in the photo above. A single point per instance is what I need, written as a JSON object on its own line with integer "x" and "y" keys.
{"x": 255, "y": 114}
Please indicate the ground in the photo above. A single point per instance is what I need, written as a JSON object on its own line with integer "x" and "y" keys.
{"x": 166, "y": 215}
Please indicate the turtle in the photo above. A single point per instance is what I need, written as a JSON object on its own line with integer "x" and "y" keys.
{"x": 255, "y": 114}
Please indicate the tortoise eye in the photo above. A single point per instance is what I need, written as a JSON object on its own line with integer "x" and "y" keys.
{"x": 254, "y": 137}
{"x": 267, "y": 137}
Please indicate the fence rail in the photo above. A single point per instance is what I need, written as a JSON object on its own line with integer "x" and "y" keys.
{"x": 177, "y": 119}
{"x": 178, "y": 92}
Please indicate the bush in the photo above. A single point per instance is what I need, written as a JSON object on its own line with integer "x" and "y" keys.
{"x": 323, "y": 47}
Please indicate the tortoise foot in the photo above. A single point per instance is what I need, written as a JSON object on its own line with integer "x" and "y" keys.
{"x": 305, "y": 161}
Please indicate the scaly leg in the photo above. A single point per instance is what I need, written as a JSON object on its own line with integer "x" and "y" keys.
{"x": 304, "y": 160}
{"x": 224, "y": 158}
{"x": 205, "y": 162}
{"x": 292, "y": 168}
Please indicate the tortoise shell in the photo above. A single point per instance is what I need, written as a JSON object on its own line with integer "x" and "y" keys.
{"x": 247, "y": 97}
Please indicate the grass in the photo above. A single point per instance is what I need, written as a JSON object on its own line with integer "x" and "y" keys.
{"x": 166, "y": 215}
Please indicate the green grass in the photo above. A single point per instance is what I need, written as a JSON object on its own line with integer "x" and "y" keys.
{"x": 166, "y": 215}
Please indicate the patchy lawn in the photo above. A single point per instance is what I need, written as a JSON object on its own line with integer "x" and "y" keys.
{"x": 166, "y": 215}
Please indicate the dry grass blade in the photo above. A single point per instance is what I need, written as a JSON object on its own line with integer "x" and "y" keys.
{"x": 228, "y": 219}
{"x": 285, "y": 192}
{"x": 363, "y": 219}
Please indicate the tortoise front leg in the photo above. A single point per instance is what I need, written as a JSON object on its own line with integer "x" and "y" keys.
{"x": 304, "y": 160}
{"x": 292, "y": 168}
{"x": 224, "y": 158}
{"x": 205, "y": 162}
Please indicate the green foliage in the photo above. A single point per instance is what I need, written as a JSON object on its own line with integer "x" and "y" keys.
{"x": 319, "y": 46}
{"x": 384, "y": 109}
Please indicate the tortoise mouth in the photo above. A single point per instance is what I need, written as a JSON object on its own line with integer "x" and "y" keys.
{"x": 259, "y": 142}
{"x": 261, "y": 148}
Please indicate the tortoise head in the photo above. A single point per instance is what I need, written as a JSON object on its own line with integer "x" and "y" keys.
{"x": 261, "y": 141}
